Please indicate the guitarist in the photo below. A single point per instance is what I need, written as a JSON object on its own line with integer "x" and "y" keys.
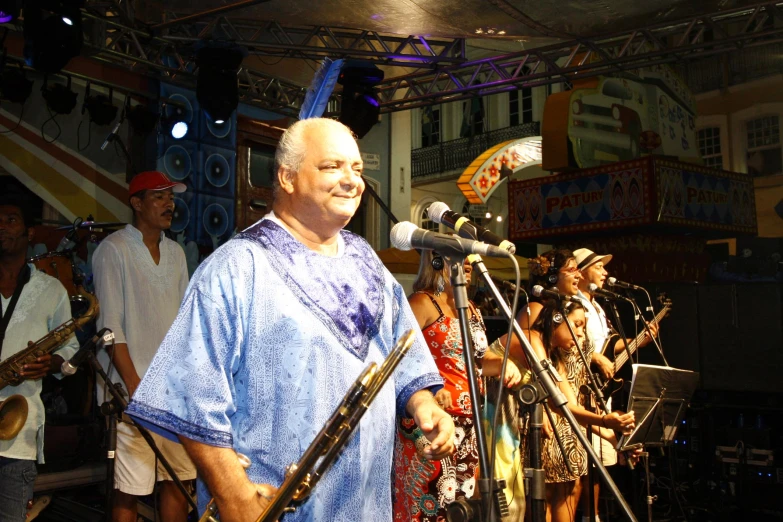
{"x": 598, "y": 330}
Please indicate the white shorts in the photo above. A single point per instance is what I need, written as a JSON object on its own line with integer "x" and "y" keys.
{"x": 136, "y": 467}
{"x": 604, "y": 448}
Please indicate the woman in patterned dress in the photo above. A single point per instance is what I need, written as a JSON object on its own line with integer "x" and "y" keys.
{"x": 551, "y": 339}
{"x": 423, "y": 489}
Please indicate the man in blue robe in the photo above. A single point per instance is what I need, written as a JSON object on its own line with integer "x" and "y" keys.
{"x": 274, "y": 328}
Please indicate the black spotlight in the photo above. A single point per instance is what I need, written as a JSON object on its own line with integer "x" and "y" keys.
{"x": 15, "y": 86}
{"x": 360, "y": 107}
{"x": 142, "y": 120}
{"x": 217, "y": 89}
{"x": 9, "y": 10}
{"x": 59, "y": 98}
{"x": 99, "y": 107}
{"x": 52, "y": 35}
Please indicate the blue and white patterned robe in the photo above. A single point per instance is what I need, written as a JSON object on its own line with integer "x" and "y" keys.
{"x": 269, "y": 338}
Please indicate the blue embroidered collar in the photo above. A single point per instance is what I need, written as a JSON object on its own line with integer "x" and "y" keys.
{"x": 344, "y": 292}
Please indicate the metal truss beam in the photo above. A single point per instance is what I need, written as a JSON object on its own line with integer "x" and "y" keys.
{"x": 314, "y": 43}
{"x": 680, "y": 41}
{"x": 111, "y": 35}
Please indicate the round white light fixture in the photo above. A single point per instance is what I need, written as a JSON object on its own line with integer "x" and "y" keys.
{"x": 178, "y": 130}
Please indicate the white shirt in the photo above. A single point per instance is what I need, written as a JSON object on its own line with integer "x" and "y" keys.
{"x": 43, "y": 306}
{"x": 139, "y": 299}
{"x": 597, "y": 331}
{"x": 596, "y": 325}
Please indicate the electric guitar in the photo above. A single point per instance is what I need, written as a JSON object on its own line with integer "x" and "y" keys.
{"x": 611, "y": 385}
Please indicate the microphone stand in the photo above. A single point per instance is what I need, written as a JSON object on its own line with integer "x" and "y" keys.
{"x": 545, "y": 376}
{"x": 647, "y": 329}
{"x": 599, "y": 397}
{"x": 616, "y": 318}
{"x": 493, "y": 501}
{"x": 118, "y": 403}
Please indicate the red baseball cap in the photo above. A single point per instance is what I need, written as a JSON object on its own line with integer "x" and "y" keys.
{"x": 153, "y": 180}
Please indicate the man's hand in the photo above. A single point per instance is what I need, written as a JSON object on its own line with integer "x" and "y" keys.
{"x": 605, "y": 366}
{"x": 251, "y": 504}
{"x": 42, "y": 366}
{"x": 647, "y": 339}
{"x": 436, "y": 424}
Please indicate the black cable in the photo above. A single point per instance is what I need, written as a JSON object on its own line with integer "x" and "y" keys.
{"x": 78, "y": 135}
{"x": 52, "y": 118}
{"x": 19, "y": 122}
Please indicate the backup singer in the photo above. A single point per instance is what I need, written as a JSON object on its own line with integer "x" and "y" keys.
{"x": 275, "y": 327}
{"x": 554, "y": 270}
{"x": 33, "y": 304}
{"x": 592, "y": 267}
{"x": 423, "y": 488}
{"x": 551, "y": 339}
{"x": 140, "y": 278}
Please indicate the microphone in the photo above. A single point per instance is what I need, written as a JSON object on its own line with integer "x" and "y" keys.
{"x": 70, "y": 366}
{"x": 439, "y": 212}
{"x": 612, "y": 281}
{"x": 502, "y": 283}
{"x": 606, "y": 294}
{"x": 540, "y": 291}
{"x": 112, "y": 134}
{"x": 405, "y": 236}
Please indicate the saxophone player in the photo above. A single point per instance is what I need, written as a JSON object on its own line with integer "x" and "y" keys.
{"x": 33, "y": 304}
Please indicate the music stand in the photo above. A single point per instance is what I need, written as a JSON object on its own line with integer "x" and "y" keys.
{"x": 659, "y": 395}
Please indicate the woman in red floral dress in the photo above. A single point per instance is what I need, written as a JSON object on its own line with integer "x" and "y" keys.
{"x": 423, "y": 489}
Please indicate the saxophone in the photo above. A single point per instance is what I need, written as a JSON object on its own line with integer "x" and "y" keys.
{"x": 13, "y": 410}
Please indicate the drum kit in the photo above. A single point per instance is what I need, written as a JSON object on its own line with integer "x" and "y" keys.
{"x": 60, "y": 263}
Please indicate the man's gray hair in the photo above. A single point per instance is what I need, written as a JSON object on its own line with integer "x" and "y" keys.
{"x": 291, "y": 149}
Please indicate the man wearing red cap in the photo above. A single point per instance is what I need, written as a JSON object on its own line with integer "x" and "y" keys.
{"x": 140, "y": 278}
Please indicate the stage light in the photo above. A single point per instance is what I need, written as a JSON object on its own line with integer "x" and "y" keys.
{"x": 220, "y": 122}
{"x": 360, "y": 106}
{"x": 15, "y": 86}
{"x": 52, "y": 36}
{"x": 141, "y": 119}
{"x": 99, "y": 107}
{"x": 59, "y": 98}
{"x": 217, "y": 89}
{"x": 178, "y": 130}
{"x": 9, "y": 10}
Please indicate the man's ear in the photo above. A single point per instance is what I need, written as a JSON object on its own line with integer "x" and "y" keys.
{"x": 285, "y": 177}
{"x": 30, "y": 234}
{"x": 135, "y": 202}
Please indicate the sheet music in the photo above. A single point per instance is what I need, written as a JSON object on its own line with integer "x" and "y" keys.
{"x": 659, "y": 396}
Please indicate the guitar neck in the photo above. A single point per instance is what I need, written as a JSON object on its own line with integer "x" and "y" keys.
{"x": 622, "y": 358}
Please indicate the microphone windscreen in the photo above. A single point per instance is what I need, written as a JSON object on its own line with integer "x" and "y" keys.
{"x": 401, "y": 234}
{"x": 436, "y": 211}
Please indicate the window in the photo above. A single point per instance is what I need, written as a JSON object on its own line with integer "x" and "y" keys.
{"x": 427, "y": 223}
{"x": 709, "y": 146}
{"x": 430, "y": 126}
{"x": 466, "y": 212}
{"x": 262, "y": 165}
{"x": 764, "y": 152}
{"x": 472, "y": 117}
{"x": 520, "y": 106}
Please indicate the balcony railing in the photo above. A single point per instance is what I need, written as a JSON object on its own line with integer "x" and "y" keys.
{"x": 741, "y": 66}
{"x": 458, "y": 154}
